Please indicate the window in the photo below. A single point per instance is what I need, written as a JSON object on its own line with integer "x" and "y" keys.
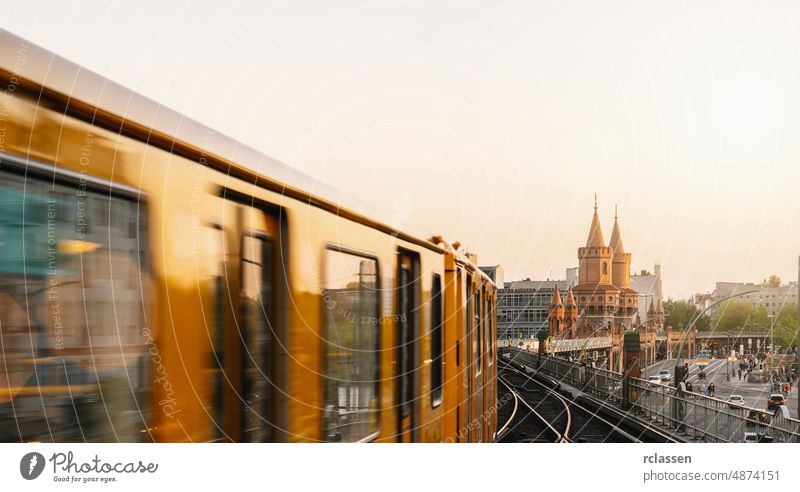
{"x": 214, "y": 286}
{"x": 477, "y": 338}
{"x": 605, "y": 268}
{"x": 67, "y": 303}
{"x": 255, "y": 304}
{"x": 436, "y": 341}
{"x": 351, "y": 304}
{"x": 488, "y": 329}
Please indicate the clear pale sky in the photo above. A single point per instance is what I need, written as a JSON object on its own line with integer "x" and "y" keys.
{"x": 494, "y": 123}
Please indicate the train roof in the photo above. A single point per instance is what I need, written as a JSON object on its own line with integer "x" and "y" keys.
{"x": 91, "y": 97}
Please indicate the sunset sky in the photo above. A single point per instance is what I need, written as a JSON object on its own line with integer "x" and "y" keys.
{"x": 494, "y": 123}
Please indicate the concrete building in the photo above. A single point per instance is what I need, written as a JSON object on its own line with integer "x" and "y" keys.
{"x": 522, "y": 306}
{"x": 771, "y": 298}
{"x": 648, "y": 285}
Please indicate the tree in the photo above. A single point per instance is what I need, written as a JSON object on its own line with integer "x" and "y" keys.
{"x": 736, "y": 316}
{"x": 784, "y": 326}
{"x": 771, "y": 281}
{"x": 681, "y": 313}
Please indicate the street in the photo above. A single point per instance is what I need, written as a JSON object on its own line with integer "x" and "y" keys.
{"x": 755, "y": 394}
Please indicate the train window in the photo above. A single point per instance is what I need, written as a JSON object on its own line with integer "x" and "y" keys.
{"x": 351, "y": 304}
{"x": 436, "y": 341}
{"x": 256, "y": 335}
{"x": 77, "y": 348}
{"x": 477, "y": 327}
{"x": 215, "y": 286}
{"x": 492, "y": 330}
{"x": 408, "y": 303}
{"x": 487, "y": 327}
{"x": 469, "y": 349}
{"x": 460, "y": 293}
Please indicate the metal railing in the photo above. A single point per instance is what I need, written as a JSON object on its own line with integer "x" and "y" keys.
{"x": 695, "y": 415}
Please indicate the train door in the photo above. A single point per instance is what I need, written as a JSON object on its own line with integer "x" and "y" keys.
{"x": 408, "y": 298}
{"x": 244, "y": 346}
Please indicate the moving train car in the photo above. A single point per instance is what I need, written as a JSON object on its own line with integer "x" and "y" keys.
{"x": 160, "y": 282}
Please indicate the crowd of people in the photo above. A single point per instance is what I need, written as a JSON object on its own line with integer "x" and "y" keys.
{"x": 781, "y": 379}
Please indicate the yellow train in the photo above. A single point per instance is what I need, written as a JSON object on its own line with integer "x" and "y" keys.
{"x": 161, "y": 282}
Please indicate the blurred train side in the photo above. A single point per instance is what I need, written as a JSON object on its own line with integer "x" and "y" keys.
{"x": 153, "y": 287}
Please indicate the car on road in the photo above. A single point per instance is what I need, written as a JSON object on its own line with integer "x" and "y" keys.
{"x": 775, "y": 400}
{"x": 736, "y": 400}
{"x": 664, "y": 375}
{"x": 653, "y": 380}
{"x": 750, "y": 437}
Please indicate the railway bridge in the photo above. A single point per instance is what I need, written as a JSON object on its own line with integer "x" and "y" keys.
{"x": 606, "y": 351}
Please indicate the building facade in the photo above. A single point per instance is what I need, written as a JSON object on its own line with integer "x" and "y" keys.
{"x": 522, "y": 307}
{"x": 648, "y": 285}
{"x": 771, "y": 298}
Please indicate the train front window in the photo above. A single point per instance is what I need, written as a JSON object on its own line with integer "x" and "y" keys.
{"x": 77, "y": 348}
{"x": 351, "y": 304}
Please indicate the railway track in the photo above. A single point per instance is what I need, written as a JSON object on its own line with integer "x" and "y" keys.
{"x": 527, "y": 424}
{"x": 540, "y": 413}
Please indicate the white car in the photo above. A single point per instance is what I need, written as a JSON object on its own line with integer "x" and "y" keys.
{"x": 664, "y": 375}
{"x": 736, "y": 400}
{"x": 654, "y": 379}
{"x": 750, "y": 437}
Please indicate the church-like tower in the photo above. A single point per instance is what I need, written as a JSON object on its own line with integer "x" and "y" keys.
{"x": 621, "y": 277}
{"x": 555, "y": 317}
{"x": 596, "y": 295}
{"x": 571, "y": 315}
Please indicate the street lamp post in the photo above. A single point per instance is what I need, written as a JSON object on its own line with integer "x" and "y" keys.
{"x": 729, "y": 350}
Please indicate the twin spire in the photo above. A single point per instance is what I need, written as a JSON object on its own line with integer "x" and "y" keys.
{"x": 556, "y": 301}
{"x": 595, "y": 239}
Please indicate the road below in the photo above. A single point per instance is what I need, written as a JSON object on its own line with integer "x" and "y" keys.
{"x": 755, "y": 394}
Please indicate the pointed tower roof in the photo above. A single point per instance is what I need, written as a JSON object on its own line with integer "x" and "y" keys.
{"x": 556, "y": 298}
{"x": 570, "y": 298}
{"x": 616, "y": 237}
{"x": 595, "y": 239}
{"x": 651, "y": 310}
{"x": 659, "y": 308}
